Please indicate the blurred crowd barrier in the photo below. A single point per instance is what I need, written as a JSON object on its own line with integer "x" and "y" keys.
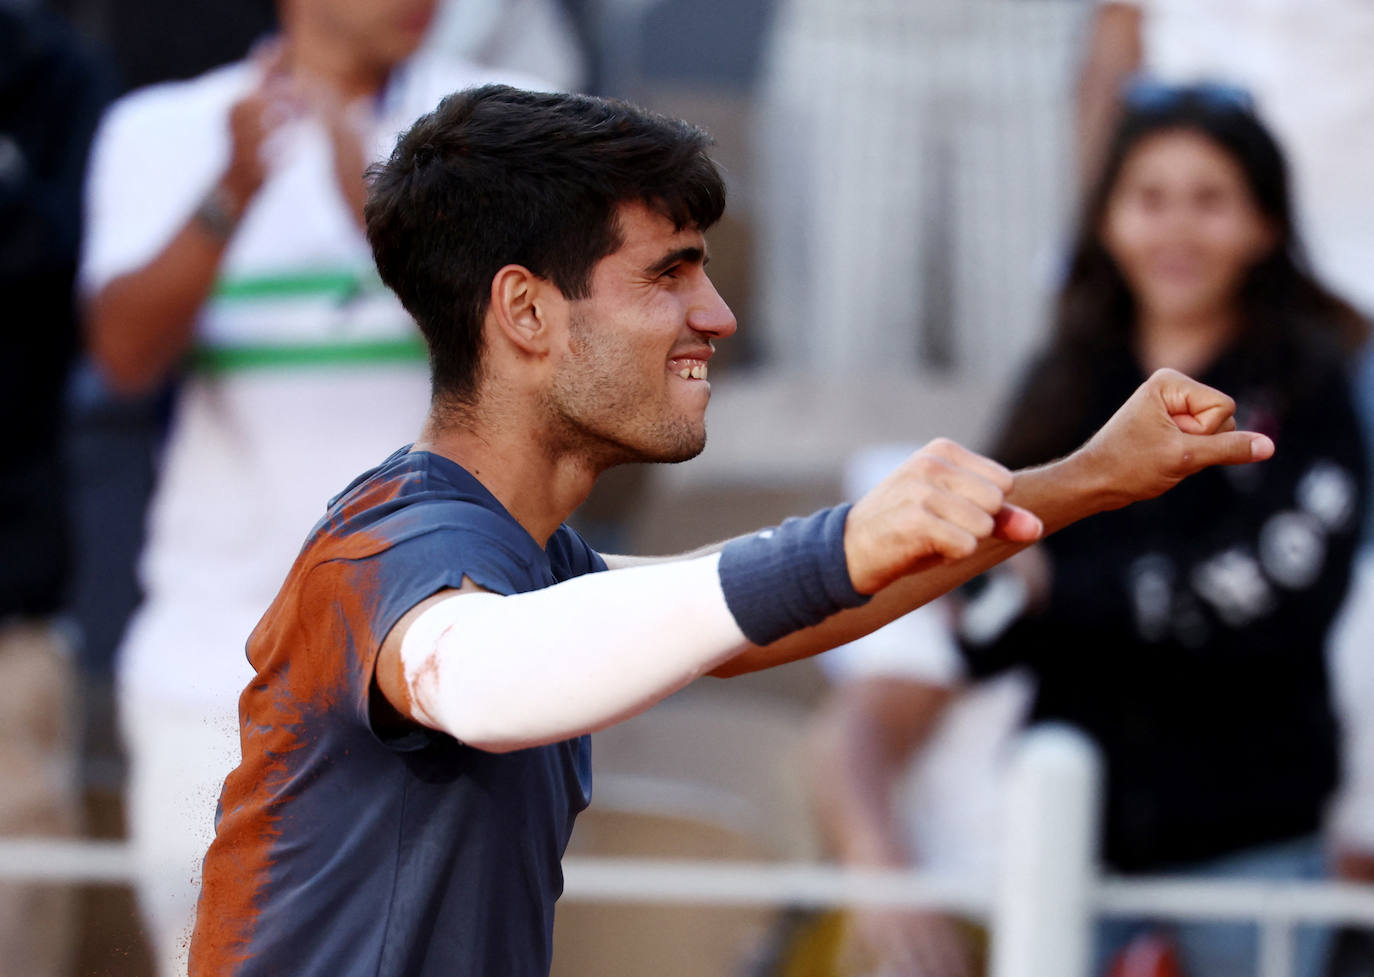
{"x": 671, "y": 911}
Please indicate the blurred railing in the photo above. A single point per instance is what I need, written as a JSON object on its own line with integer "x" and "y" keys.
{"x": 1042, "y": 909}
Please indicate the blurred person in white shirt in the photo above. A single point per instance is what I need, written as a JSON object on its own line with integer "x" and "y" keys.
{"x": 225, "y": 239}
{"x": 1307, "y": 67}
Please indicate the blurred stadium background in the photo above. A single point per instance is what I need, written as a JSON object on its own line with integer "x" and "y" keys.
{"x": 712, "y": 773}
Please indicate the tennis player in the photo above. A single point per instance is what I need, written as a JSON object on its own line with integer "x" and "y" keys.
{"x": 415, "y": 740}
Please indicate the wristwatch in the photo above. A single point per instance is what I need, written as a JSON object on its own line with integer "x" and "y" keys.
{"x": 218, "y": 213}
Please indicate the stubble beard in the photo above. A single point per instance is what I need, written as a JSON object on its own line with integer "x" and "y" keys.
{"x": 594, "y": 413}
{"x": 605, "y": 444}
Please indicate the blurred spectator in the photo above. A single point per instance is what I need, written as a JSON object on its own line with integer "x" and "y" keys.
{"x": 940, "y": 807}
{"x": 51, "y": 93}
{"x": 1310, "y": 76}
{"x": 538, "y": 37}
{"x": 1186, "y": 635}
{"x": 912, "y": 162}
{"x": 112, "y": 440}
{"x": 224, "y": 235}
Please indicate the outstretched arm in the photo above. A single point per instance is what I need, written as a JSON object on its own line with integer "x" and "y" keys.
{"x": 507, "y": 672}
{"x": 503, "y": 673}
{"x": 1170, "y": 428}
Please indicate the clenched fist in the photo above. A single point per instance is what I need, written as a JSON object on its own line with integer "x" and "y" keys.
{"x": 1170, "y": 428}
{"x": 945, "y": 500}
{"x": 938, "y": 505}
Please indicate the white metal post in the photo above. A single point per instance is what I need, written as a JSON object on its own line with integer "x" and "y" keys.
{"x": 1042, "y": 920}
{"x": 1276, "y": 947}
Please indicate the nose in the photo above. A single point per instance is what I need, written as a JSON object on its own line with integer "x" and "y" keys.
{"x": 708, "y": 314}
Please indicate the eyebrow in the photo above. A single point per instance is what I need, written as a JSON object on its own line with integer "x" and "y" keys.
{"x": 692, "y": 255}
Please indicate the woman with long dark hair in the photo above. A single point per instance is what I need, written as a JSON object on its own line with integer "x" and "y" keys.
{"x": 1186, "y": 250}
{"x": 1186, "y": 635}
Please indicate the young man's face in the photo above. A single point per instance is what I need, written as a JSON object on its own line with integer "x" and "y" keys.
{"x": 631, "y": 385}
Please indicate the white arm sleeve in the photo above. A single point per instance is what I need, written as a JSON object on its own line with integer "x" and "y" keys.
{"x": 507, "y": 672}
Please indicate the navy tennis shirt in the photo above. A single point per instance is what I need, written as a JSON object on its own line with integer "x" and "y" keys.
{"x": 346, "y": 848}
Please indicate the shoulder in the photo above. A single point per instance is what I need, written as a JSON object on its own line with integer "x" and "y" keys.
{"x": 416, "y": 510}
{"x": 169, "y": 106}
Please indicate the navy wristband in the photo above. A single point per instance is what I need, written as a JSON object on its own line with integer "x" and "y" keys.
{"x": 790, "y": 577}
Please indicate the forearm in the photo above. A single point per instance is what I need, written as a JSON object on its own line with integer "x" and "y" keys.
{"x": 143, "y": 322}
{"x": 1059, "y": 493}
{"x": 504, "y": 673}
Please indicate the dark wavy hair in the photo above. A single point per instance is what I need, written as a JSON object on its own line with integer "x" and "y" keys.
{"x": 1281, "y": 302}
{"x": 496, "y": 176}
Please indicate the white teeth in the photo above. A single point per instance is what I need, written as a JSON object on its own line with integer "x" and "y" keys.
{"x": 686, "y": 373}
{"x": 696, "y": 371}
{"x": 700, "y": 372}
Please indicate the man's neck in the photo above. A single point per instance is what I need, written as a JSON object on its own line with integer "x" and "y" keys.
{"x": 538, "y": 486}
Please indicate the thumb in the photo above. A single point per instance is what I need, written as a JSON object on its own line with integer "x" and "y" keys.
{"x": 1228, "y": 448}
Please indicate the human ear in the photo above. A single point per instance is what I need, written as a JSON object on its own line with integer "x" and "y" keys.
{"x": 519, "y": 308}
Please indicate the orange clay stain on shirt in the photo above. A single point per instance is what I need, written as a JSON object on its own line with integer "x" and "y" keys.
{"x": 312, "y": 650}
